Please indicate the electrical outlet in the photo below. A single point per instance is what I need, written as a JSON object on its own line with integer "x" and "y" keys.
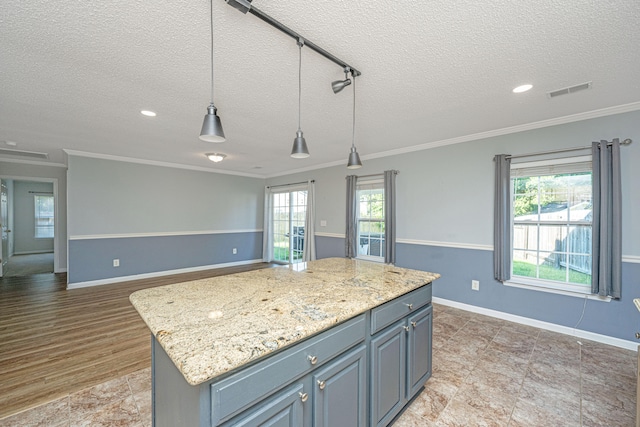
{"x": 116, "y": 262}
{"x": 235, "y": 251}
{"x": 475, "y": 285}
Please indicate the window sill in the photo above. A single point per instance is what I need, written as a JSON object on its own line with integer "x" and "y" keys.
{"x": 371, "y": 258}
{"x": 524, "y": 284}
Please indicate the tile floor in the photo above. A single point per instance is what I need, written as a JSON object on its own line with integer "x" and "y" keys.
{"x": 486, "y": 372}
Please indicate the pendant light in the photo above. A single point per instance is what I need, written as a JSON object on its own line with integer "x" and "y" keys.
{"x": 299, "y": 150}
{"x": 354, "y": 159}
{"x": 212, "y": 127}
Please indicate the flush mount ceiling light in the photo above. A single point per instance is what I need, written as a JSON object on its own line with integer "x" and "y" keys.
{"x": 216, "y": 157}
{"x": 354, "y": 159}
{"x": 522, "y": 88}
{"x": 212, "y": 126}
{"x": 299, "y": 150}
{"x": 148, "y": 113}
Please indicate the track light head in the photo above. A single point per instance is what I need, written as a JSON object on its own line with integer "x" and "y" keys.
{"x": 338, "y": 85}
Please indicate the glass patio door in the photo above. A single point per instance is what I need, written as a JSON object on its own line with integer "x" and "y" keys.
{"x": 288, "y": 216}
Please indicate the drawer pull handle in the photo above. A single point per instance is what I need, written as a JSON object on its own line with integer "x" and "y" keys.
{"x": 303, "y": 396}
{"x": 414, "y": 324}
{"x": 313, "y": 359}
{"x": 406, "y": 328}
{"x": 321, "y": 384}
{"x": 410, "y": 306}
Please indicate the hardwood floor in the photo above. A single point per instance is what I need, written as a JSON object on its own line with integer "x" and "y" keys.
{"x": 54, "y": 341}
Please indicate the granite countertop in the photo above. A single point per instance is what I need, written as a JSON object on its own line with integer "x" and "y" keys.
{"x": 212, "y": 326}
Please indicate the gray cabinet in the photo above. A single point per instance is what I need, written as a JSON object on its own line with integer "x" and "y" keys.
{"x": 359, "y": 373}
{"x": 340, "y": 391}
{"x": 400, "y": 354}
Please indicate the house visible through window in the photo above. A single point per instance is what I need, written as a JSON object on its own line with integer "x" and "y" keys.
{"x": 552, "y": 224}
{"x": 370, "y": 219}
{"x": 44, "y": 216}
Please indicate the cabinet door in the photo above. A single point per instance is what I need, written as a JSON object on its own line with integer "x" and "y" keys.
{"x": 388, "y": 374}
{"x": 285, "y": 409}
{"x": 419, "y": 350}
{"x": 339, "y": 391}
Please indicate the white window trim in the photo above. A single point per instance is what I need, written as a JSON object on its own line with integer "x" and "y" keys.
{"x": 541, "y": 285}
{"x": 373, "y": 180}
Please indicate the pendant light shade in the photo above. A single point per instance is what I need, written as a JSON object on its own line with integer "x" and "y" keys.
{"x": 299, "y": 150}
{"x": 354, "y": 159}
{"x": 212, "y": 126}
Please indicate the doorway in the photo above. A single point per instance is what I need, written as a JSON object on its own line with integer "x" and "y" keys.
{"x": 28, "y": 219}
{"x": 288, "y": 218}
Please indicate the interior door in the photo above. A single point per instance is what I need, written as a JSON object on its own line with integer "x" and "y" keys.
{"x": 4, "y": 218}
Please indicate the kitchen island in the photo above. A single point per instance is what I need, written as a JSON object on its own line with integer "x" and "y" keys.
{"x": 319, "y": 343}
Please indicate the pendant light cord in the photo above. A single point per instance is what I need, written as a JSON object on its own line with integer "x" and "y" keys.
{"x": 300, "y": 43}
{"x": 211, "y": 28}
{"x": 353, "y": 129}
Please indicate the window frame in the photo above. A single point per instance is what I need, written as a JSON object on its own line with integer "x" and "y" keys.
{"x": 37, "y": 217}
{"x": 547, "y": 285}
{"x": 289, "y": 191}
{"x": 377, "y": 183}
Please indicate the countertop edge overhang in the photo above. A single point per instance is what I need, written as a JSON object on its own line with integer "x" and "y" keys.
{"x": 214, "y": 326}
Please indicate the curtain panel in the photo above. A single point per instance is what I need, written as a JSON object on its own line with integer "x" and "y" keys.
{"x": 309, "y": 249}
{"x": 606, "y": 275}
{"x": 502, "y": 219}
{"x": 351, "y": 244}
{"x": 267, "y": 230}
{"x": 390, "y": 216}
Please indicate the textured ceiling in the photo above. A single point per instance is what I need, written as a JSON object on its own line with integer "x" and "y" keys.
{"x": 74, "y": 75}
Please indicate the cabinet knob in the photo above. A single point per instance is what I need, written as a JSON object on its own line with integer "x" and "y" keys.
{"x": 638, "y": 335}
{"x": 313, "y": 359}
{"x": 406, "y": 328}
{"x": 410, "y": 306}
{"x": 414, "y": 324}
{"x": 303, "y": 396}
{"x": 321, "y": 384}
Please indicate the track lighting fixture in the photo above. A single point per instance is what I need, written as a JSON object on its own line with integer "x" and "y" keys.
{"x": 212, "y": 126}
{"x": 338, "y": 85}
{"x": 354, "y": 159}
{"x": 299, "y": 150}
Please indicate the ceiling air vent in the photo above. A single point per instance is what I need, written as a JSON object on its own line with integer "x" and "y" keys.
{"x": 568, "y": 90}
{"x": 22, "y": 153}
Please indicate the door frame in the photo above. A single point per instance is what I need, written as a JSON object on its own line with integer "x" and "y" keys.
{"x": 56, "y": 208}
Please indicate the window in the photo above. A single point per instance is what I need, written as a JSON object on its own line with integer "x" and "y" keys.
{"x": 44, "y": 216}
{"x": 370, "y": 220}
{"x": 552, "y": 224}
{"x": 288, "y": 218}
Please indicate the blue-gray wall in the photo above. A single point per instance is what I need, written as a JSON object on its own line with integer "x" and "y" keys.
{"x": 445, "y": 220}
{"x": 155, "y": 219}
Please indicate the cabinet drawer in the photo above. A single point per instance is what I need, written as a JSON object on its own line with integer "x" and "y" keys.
{"x": 386, "y": 314}
{"x": 241, "y": 390}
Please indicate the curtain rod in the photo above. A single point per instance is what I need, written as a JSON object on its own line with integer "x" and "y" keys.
{"x": 293, "y": 183}
{"x": 562, "y": 150}
{"x": 40, "y": 192}
{"x": 245, "y": 6}
{"x": 372, "y": 175}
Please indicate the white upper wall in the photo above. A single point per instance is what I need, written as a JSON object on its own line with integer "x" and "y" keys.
{"x": 109, "y": 197}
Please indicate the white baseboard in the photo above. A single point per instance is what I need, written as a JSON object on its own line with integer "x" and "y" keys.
{"x": 119, "y": 279}
{"x": 578, "y": 333}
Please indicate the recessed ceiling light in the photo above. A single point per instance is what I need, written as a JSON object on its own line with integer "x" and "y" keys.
{"x": 216, "y": 157}
{"x": 11, "y": 143}
{"x": 148, "y": 113}
{"x": 522, "y": 88}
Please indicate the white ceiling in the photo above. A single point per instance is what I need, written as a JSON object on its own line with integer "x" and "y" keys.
{"x": 75, "y": 74}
